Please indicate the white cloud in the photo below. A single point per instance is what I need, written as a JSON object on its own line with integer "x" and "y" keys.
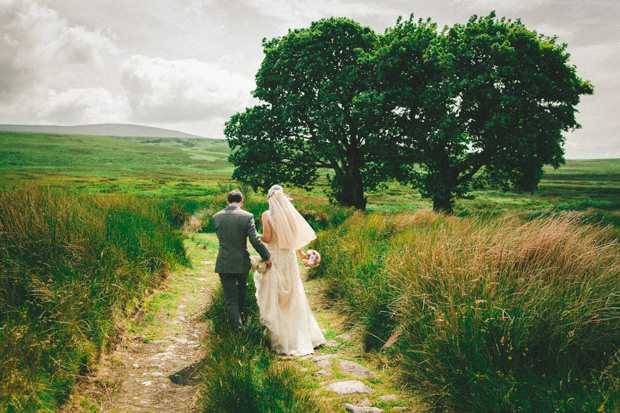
{"x": 515, "y": 5}
{"x": 43, "y": 105}
{"x": 41, "y": 48}
{"x": 161, "y": 90}
{"x": 47, "y": 68}
{"x": 65, "y": 61}
{"x": 88, "y": 105}
{"x": 287, "y": 14}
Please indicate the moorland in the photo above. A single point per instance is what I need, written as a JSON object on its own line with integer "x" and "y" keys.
{"x": 510, "y": 304}
{"x": 195, "y": 170}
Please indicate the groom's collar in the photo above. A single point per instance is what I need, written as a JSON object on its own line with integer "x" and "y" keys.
{"x": 233, "y": 206}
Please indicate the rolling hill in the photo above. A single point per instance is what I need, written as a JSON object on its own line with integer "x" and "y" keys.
{"x": 103, "y": 129}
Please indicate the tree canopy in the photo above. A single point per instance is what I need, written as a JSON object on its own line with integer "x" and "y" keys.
{"x": 313, "y": 114}
{"x": 480, "y": 103}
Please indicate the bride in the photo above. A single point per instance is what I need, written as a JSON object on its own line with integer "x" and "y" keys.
{"x": 282, "y": 302}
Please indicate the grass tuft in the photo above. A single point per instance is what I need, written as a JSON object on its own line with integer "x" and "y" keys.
{"x": 241, "y": 374}
{"x": 485, "y": 314}
{"x": 70, "y": 266}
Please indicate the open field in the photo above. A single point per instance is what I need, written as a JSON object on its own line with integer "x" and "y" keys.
{"x": 588, "y": 186}
{"x": 148, "y": 166}
{"x": 196, "y": 170}
{"x": 428, "y": 283}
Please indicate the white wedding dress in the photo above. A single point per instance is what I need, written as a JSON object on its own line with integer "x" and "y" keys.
{"x": 282, "y": 302}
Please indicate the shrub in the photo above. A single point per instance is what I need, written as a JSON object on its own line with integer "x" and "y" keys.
{"x": 491, "y": 314}
{"x": 70, "y": 264}
{"x": 177, "y": 214}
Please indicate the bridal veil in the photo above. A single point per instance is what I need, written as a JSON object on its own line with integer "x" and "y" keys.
{"x": 292, "y": 230}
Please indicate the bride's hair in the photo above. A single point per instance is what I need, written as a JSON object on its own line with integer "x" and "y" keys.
{"x": 273, "y": 190}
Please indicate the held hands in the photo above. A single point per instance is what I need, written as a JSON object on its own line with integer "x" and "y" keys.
{"x": 258, "y": 265}
{"x": 302, "y": 255}
{"x": 310, "y": 259}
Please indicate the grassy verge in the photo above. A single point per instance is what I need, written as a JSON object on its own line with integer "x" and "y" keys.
{"x": 495, "y": 314}
{"x": 70, "y": 265}
{"x": 241, "y": 374}
{"x": 195, "y": 174}
{"x": 319, "y": 215}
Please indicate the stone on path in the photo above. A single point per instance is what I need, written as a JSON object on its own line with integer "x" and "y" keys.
{"x": 323, "y": 362}
{"x": 401, "y": 409}
{"x": 322, "y": 372}
{"x": 349, "y": 387}
{"x": 331, "y": 343}
{"x": 346, "y": 336}
{"x": 353, "y": 369}
{"x": 388, "y": 398}
{"x": 361, "y": 409}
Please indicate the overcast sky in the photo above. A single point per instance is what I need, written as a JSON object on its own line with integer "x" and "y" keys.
{"x": 190, "y": 64}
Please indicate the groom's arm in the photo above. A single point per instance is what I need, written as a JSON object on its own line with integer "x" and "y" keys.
{"x": 256, "y": 242}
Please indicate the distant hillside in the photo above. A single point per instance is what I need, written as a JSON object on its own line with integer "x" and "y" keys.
{"x": 103, "y": 129}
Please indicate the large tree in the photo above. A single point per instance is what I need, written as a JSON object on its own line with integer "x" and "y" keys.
{"x": 481, "y": 103}
{"x": 316, "y": 113}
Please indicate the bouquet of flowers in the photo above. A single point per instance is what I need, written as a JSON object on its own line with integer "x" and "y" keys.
{"x": 258, "y": 265}
{"x": 313, "y": 259}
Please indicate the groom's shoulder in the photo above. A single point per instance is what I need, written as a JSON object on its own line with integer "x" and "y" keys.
{"x": 234, "y": 211}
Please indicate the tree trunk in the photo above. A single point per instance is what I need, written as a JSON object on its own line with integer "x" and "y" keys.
{"x": 354, "y": 193}
{"x": 443, "y": 205}
{"x": 348, "y": 186}
{"x": 440, "y": 184}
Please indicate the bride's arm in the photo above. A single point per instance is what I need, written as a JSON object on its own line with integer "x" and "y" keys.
{"x": 266, "y": 237}
{"x": 302, "y": 255}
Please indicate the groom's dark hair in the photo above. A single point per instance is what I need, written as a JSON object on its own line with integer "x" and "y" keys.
{"x": 235, "y": 196}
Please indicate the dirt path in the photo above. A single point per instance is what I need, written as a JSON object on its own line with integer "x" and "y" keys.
{"x": 162, "y": 340}
{"x": 345, "y": 377}
{"x": 166, "y": 337}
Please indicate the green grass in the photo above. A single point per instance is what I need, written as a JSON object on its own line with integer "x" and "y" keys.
{"x": 589, "y": 186}
{"x": 196, "y": 174}
{"x": 71, "y": 265}
{"x": 107, "y": 156}
{"x": 485, "y": 314}
{"x": 372, "y": 262}
{"x": 187, "y": 175}
{"x": 241, "y": 374}
{"x": 186, "y": 170}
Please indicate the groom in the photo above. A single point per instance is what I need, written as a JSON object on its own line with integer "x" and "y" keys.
{"x": 233, "y": 227}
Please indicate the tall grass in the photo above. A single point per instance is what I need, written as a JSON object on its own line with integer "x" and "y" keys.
{"x": 319, "y": 216}
{"x": 70, "y": 265}
{"x": 495, "y": 314}
{"x": 241, "y": 374}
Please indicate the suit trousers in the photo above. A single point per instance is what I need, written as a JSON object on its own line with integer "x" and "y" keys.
{"x": 235, "y": 287}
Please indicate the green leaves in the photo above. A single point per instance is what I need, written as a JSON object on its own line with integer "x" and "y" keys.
{"x": 481, "y": 102}
{"x": 314, "y": 114}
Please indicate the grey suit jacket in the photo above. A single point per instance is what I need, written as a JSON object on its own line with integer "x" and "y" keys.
{"x": 233, "y": 227}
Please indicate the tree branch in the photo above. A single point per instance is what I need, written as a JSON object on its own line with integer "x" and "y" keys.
{"x": 473, "y": 164}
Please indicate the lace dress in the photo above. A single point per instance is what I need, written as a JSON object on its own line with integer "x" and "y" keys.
{"x": 284, "y": 308}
